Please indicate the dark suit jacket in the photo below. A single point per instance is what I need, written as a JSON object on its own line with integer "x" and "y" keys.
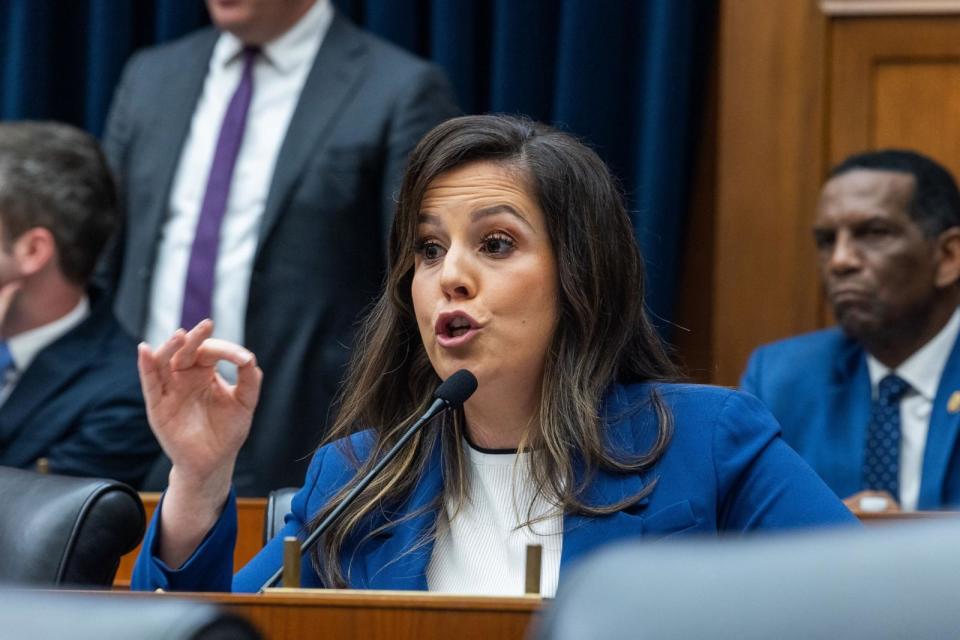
{"x": 818, "y": 387}
{"x": 79, "y": 405}
{"x": 726, "y": 469}
{"x": 321, "y": 257}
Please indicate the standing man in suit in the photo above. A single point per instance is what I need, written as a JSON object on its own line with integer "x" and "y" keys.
{"x": 874, "y": 405}
{"x": 258, "y": 162}
{"x": 68, "y": 375}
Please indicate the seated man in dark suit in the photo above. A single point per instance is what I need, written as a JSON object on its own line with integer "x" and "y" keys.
{"x": 69, "y": 391}
{"x": 874, "y": 405}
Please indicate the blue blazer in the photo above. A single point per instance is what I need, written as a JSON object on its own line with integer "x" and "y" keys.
{"x": 79, "y": 405}
{"x": 726, "y": 469}
{"x": 818, "y": 387}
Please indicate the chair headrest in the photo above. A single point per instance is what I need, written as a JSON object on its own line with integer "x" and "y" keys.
{"x": 58, "y": 530}
{"x": 278, "y": 506}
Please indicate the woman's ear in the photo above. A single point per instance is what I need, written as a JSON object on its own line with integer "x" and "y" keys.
{"x": 33, "y": 250}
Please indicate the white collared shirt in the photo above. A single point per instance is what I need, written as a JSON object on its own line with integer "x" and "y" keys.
{"x": 25, "y": 346}
{"x": 922, "y": 371}
{"x": 279, "y": 74}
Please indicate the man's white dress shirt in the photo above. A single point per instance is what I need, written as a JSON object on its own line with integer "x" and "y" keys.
{"x": 922, "y": 371}
{"x": 279, "y": 74}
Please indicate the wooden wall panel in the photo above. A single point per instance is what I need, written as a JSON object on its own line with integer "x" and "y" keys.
{"x": 769, "y": 164}
{"x": 919, "y": 103}
{"x": 895, "y": 81}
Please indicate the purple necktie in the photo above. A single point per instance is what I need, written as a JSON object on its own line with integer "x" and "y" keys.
{"x": 198, "y": 291}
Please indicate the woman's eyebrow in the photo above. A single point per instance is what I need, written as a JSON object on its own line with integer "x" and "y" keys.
{"x": 498, "y": 209}
{"x": 428, "y": 218}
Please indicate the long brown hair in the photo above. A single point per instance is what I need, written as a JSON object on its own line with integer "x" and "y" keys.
{"x": 603, "y": 334}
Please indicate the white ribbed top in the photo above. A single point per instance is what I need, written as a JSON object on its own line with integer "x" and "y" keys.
{"x": 481, "y": 550}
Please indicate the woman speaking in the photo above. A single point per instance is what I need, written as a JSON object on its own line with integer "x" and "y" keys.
{"x": 511, "y": 256}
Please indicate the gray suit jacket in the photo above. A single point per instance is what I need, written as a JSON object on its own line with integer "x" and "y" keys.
{"x": 320, "y": 257}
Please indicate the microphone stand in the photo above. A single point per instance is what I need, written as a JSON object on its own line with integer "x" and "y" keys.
{"x": 438, "y": 405}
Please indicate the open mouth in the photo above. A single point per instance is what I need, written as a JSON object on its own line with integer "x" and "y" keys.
{"x": 455, "y": 328}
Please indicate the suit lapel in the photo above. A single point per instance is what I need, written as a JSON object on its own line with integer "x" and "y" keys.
{"x": 841, "y": 458}
{"x": 397, "y": 559}
{"x": 173, "y": 118}
{"x": 581, "y": 533}
{"x": 335, "y": 72}
{"x": 52, "y": 369}
{"x": 941, "y": 436}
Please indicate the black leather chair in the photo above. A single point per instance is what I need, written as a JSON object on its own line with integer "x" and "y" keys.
{"x": 278, "y": 506}
{"x": 80, "y": 616}
{"x": 57, "y": 530}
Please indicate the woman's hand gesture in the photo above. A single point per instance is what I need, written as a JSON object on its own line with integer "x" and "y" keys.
{"x": 200, "y": 420}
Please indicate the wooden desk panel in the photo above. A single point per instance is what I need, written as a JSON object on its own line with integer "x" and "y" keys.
{"x": 905, "y": 516}
{"x": 372, "y": 615}
{"x": 250, "y": 512}
{"x": 384, "y": 615}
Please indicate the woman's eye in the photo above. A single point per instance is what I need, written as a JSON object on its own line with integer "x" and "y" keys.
{"x": 429, "y": 250}
{"x": 498, "y": 245}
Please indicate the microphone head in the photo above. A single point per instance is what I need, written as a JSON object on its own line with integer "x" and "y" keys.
{"x": 457, "y": 388}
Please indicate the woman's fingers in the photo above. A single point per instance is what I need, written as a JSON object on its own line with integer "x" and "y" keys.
{"x": 163, "y": 353}
{"x": 150, "y": 381}
{"x": 213, "y": 350}
{"x": 247, "y": 389}
{"x": 186, "y": 355}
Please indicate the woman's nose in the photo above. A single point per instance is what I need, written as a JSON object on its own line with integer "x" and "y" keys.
{"x": 457, "y": 277}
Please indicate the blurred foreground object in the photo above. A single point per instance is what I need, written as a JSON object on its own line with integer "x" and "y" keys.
{"x": 48, "y": 616}
{"x": 896, "y": 582}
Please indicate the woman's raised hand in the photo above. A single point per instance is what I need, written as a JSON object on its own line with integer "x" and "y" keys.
{"x": 200, "y": 420}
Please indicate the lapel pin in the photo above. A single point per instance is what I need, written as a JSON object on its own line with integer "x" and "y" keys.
{"x": 953, "y": 404}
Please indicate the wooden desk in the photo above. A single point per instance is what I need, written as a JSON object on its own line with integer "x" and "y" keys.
{"x": 372, "y": 615}
{"x": 871, "y": 519}
{"x": 250, "y": 513}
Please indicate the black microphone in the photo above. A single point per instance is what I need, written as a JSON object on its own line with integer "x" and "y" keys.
{"x": 451, "y": 394}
